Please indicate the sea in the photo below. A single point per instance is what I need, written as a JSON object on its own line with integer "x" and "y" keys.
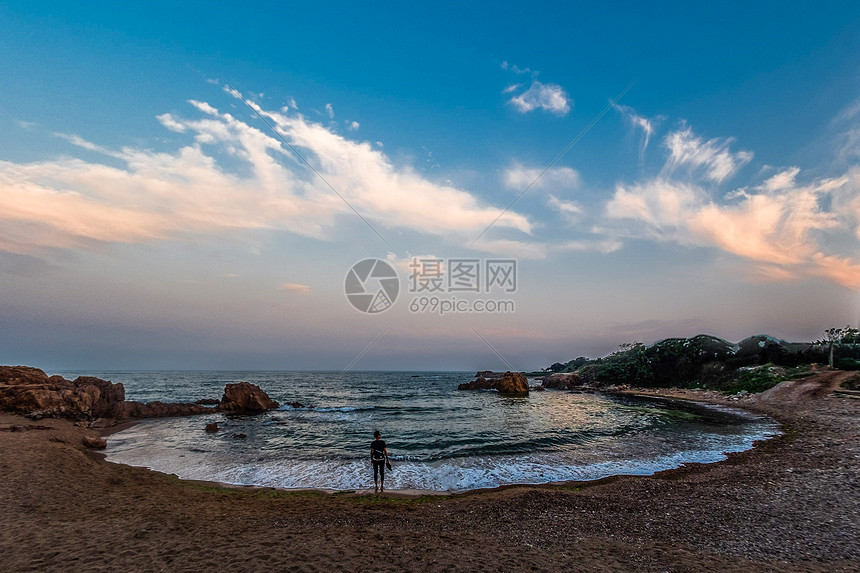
{"x": 439, "y": 439}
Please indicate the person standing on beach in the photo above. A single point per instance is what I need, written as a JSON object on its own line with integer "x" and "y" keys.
{"x": 378, "y": 458}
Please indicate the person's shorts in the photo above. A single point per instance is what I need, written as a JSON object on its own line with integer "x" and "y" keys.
{"x": 379, "y": 468}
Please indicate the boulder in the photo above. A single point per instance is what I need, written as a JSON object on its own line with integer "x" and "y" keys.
{"x": 213, "y": 427}
{"x": 514, "y": 383}
{"x": 29, "y": 391}
{"x": 94, "y": 442}
{"x": 480, "y": 384}
{"x": 208, "y": 402}
{"x": 246, "y": 398}
{"x": 562, "y": 381}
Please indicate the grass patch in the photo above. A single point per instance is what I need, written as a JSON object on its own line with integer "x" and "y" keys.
{"x": 753, "y": 381}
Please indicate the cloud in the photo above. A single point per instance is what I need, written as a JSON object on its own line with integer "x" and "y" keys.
{"x": 518, "y": 178}
{"x": 604, "y": 246}
{"x": 231, "y": 176}
{"x": 569, "y": 209}
{"x": 296, "y": 288}
{"x": 352, "y": 126}
{"x": 548, "y": 97}
{"x": 786, "y": 229}
{"x": 712, "y": 157}
{"x": 514, "y": 68}
{"x": 329, "y": 110}
{"x": 637, "y": 121}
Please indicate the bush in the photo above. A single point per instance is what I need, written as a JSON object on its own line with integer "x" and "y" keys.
{"x": 848, "y": 364}
{"x": 753, "y": 381}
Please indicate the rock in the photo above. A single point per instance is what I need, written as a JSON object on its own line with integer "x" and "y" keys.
{"x": 295, "y": 405}
{"x": 29, "y": 391}
{"x": 514, "y": 383}
{"x": 213, "y": 427}
{"x": 94, "y": 442}
{"x": 245, "y": 397}
{"x": 562, "y": 380}
{"x": 122, "y": 410}
{"x": 208, "y": 402}
{"x": 239, "y": 436}
{"x": 480, "y": 384}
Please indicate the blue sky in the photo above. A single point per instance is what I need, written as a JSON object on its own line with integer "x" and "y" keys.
{"x": 151, "y": 218}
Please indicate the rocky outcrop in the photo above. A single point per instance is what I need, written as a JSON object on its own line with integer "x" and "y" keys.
{"x": 123, "y": 410}
{"x": 480, "y": 383}
{"x": 562, "y": 381}
{"x": 26, "y": 390}
{"x": 512, "y": 383}
{"x": 31, "y": 392}
{"x": 245, "y": 397}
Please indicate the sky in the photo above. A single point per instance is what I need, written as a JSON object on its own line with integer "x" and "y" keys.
{"x": 187, "y": 185}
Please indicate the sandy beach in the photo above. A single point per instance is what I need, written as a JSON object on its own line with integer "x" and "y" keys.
{"x": 789, "y": 504}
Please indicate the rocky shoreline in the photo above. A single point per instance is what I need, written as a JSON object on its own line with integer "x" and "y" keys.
{"x": 98, "y": 403}
{"x": 789, "y": 504}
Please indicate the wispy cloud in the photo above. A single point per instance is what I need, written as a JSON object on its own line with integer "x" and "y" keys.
{"x": 329, "y": 110}
{"x": 548, "y": 97}
{"x": 296, "y": 288}
{"x": 570, "y": 209}
{"x": 639, "y": 122}
{"x": 518, "y": 177}
{"x": 232, "y": 176}
{"x": 712, "y": 157}
{"x": 786, "y": 229}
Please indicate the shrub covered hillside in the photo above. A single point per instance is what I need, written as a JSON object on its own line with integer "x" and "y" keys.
{"x": 753, "y": 364}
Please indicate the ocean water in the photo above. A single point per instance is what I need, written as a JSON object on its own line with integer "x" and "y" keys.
{"x": 439, "y": 438}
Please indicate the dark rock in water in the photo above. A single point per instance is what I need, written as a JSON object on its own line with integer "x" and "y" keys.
{"x": 239, "y": 436}
{"x": 480, "y": 384}
{"x": 562, "y": 381}
{"x": 213, "y": 427}
{"x": 295, "y": 405}
{"x": 122, "y": 410}
{"x": 514, "y": 383}
{"x": 539, "y": 389}
{"x": 94, "y": 442}
{"x": 208, "y": 402}
{"x": 245, "y": 397}
{"x": 489, "y": 374}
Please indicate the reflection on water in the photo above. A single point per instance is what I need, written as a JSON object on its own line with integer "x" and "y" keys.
{"x": 439, "y": 438}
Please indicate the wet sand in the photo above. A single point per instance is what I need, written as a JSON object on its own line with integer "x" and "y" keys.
{"x": 789, "y": 504}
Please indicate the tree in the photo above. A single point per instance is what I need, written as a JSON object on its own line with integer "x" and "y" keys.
{"x": 833, "y": 336}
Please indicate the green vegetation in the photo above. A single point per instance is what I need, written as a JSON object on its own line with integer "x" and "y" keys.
{"x": 754, "y": 364}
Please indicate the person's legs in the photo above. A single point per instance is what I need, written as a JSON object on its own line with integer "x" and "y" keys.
{"x": 376, "y": 467}
{"x": 382, "y": 476}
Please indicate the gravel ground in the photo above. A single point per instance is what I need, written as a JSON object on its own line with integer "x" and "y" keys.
{"x": 789, "y": 504}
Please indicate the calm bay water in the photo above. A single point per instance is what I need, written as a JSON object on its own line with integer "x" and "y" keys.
{"x": 439, "y": 438}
